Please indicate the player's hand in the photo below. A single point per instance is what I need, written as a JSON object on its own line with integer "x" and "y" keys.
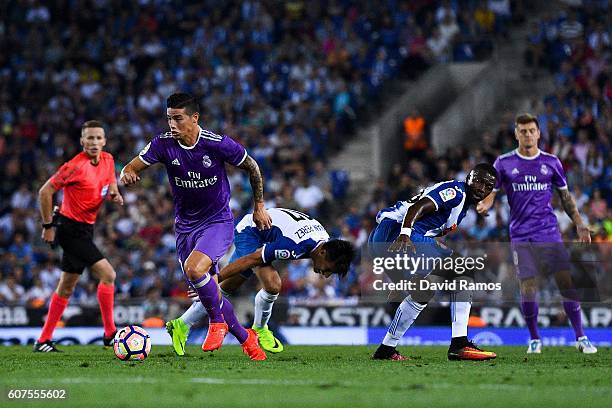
{"x": 116, "y": 198}
{"x": 193, "y": 295}
{"x": 584, "y": 235}
{"x": 482, "y": 209}
{"x": 402, "y": 244}
{"x": 262, "y": 219}
{"x": 129, "y": 177}
{"x": 48, "y": 235}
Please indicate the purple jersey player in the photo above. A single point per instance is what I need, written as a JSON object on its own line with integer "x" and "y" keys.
{"x": 195, "y": 162}
{"x": 528, "y": 176}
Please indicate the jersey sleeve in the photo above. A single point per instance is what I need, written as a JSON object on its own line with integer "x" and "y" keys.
{"x": 558, "y": 178}
{"x": 231, "y": 151}
{"x": 65, "y": 175}
{"x": 152, "y": 153}
{"x": 498, "y": 179}
{"x": 282, "y": 249}
{"x": 445, "y": 196}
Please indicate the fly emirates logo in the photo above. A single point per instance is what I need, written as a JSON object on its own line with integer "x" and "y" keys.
{"x": 196, "y": 181}
{"x": 531, "y": 184}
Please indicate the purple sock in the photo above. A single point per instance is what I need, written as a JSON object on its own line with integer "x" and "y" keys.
{"x": 208, "y": 291}
{"x": 232, "y": 321}
{"x": 530, "y": 313}
{"x": 572, "y": 310}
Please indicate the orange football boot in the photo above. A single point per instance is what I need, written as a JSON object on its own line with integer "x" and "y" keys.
{"x": 251, "y": 347}
{"x": 214, "y": 337}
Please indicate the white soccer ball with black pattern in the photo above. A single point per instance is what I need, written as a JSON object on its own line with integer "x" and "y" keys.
{"x": 132, "y": 343}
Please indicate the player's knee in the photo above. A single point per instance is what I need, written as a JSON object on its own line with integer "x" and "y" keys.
{"x": 273, "y": 286}
{"x": 195, "y": 271}
{"x": 108, "y": 276}
{"x": 64, "y": 291}
{"x": 529, "y": 290}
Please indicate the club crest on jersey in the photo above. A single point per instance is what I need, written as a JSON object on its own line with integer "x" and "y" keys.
{"x": 206, "y": 161}
{"x": 282, "y": 254}
{"x": 104, "y": 191}
{"x": 544, "y": 169}
{"x": 448, "y": 194}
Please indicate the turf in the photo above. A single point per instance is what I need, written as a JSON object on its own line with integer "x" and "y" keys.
{"x": 309, "y": 377}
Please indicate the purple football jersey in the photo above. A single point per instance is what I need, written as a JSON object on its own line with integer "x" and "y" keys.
{"x": 528, "y": 182}
{"x": 197, "y": 176}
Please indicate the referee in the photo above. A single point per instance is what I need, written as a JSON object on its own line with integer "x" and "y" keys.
{"x": 87, "y": 180}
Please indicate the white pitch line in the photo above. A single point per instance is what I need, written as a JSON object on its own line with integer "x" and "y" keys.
{"x": 258, "y": 381}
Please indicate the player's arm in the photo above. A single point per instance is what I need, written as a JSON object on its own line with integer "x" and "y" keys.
{"x": 130, "y": 173}
{"x": 260, "y": 216}
{"x": 569, "y": 206}
{"x": 416, "y": 211}
{"x": 483, "y": 207}
{"x": 45, "y": 198}
{"x": 242, "y": 264}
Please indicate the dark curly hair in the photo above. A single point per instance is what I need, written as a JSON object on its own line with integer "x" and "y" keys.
{"x": 341, "y": 253}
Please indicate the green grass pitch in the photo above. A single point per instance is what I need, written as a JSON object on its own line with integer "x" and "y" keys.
{"x": 341, "y": 376}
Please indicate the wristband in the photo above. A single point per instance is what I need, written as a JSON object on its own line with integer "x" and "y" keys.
{"x": 48, "y": 225}
{"x": 406, "y": 231}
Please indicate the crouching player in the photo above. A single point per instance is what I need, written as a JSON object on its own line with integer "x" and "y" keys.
{"x": 293, "y": 236}
{"x": 434, "y": 212}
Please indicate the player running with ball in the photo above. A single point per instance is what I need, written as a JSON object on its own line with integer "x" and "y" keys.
{"x": 528, "y": 176}
{"x": 294, "y": 235}
{"x": 412, "y": 226}
{"x": 195, "y": 162}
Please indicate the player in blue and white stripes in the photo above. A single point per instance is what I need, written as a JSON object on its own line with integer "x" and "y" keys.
{"x": 413, "y": 225}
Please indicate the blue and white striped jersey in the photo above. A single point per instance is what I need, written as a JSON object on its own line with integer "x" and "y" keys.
{"x": 294, "y": 235}
{"x": 449, "y": 198}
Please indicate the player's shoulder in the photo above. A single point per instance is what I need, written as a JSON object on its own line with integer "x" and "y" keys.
{"x": 78, "y": 159}
{"x": 454, "y": 184}
{"x": 545, "y": 156}
{"x": 210, "y": 137}
{"x": 507, "y": 156}
{"x": 106, "y": 156}
{"x": 448, "y": 190}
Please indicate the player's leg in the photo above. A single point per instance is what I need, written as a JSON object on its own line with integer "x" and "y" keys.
{"x": 526, "y": 266}
{"x": 405, "y": 315}
{"x": 57, "y": 305}
{"x": 460, "y": 304}
{"x": 530, "y": 309}
{"x": 264, "y": 302}
{"x": 197, "y": 267}
{"x": 573, "y": 310}
{"x": 105, "y": 272}
{"x": 408, "y": 310}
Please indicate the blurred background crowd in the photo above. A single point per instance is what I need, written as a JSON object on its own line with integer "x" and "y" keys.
{"x": 291, "y": 81}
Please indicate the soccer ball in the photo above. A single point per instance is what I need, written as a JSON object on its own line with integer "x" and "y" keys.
{"x": 132, "y": 343}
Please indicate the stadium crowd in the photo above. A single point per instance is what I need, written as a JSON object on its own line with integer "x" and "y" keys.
{"x": 288, "y": 80}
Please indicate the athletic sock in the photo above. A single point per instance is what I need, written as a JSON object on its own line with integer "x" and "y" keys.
{"x": 56, "y": 309}
{"x": 572, "y": 310}
{"x": 233, "y": 324}
{"x": 208, "y": 292}
{"x": 263, "y": 307}
{"x": 530, "y": 313}
{"x": 460, "y": 314}
{"x": 106, "y": 296}
{"x": 405, "y": 315}
{"x": 194, "y": 314}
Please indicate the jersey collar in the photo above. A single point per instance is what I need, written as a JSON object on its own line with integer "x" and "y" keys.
{"x": 526, "y": 157}
{"x": 200, "y": 130}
